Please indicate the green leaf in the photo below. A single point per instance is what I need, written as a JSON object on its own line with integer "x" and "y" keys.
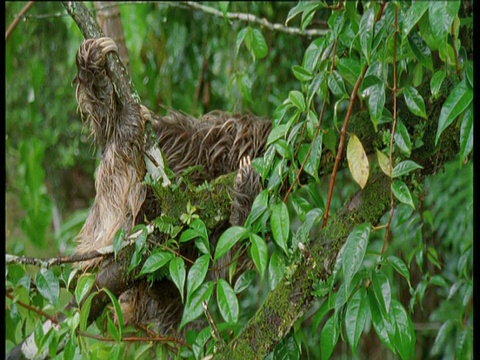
{"x": 414, "y": 102}
{"x": 228, "y": 239}
{"x": 280, "y": 222}
{"x": 227, "y": 302}
{"x": 118, "y": 241}
{"x": 466, "y": 134}
{"x": 118, "y": 312}
{"x": 436, "y": 82}
{"x": 413, "y": 15}
{"x": 244, "y": 281}
{"x": 366, "y": 32}
{"x": 197, "y": 274}
{"x": 404, "y": 331}
{"x": 400, "y": 267}
{"x": 47, "y": 285}
{"x": 241, "y": 37}
{"x": 193, "y": 307}
{"x": 382, "y": 326}
{"x": 259, "y": 45}
{"x": 404, "y": 168}
{"x": 402, "y": 139}
{"x": 259, "y": 207}
{"x": 354, "y": 252}
{"x": 85, "y": 311}
{"x": 278, "y": 132}
{"x": 177, "y": 273}
{"x": 384, "y": 163}
{"x": 401, "y": 192}
{"x": 155, "y": 262}
{"x": 313, "y": 54}
{"x": 357, "y": 161}
{"x": 259, "y": 253}
{"x": 358, "y": 310}
{"x": 336, "y": 84}
{"x": 349, "y": 69}
{"x": 382, "y": 292}
{"x": 373, "y": 88}
{"x": 442, "y": 337}
{"x": 301, "y": 73}
{"x": 459, "y": 99}
{"x": 297, "y": 99}
{"x": 84, "y": 285}
{"x": 441, "y": 15}
{"x": 328, "y": 338}
{"x": 421, "y": 50}
{"x": 276, "y": 269}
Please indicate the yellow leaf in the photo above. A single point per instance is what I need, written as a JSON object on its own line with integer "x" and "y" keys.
{"x": 357, "y": 161}
{"x": 384, "y": 162}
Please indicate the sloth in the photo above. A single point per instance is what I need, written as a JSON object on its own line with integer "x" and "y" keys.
{"x": 213, "y": 145}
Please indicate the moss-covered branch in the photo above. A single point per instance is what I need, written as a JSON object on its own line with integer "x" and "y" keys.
{"x": 291, "y": 298}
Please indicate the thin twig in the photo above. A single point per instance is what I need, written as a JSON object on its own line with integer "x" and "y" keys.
{"x": 250, "y": 19}
{"x": 392, "y": 138}
{"x": 317, "y": 132}
{"x": 15, "y": 22}
{"x": 341, "y": 144}
{"x": 46, "y": 263}
{"x": 35, "y": 309}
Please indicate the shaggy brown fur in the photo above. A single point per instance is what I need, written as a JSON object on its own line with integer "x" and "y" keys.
{"x": 217, "y": 144}
{"x": 120, "y": 133}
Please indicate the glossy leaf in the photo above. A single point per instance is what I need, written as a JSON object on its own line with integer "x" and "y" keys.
{"x": 197, "y": 274}
{"x": 466, "y": 134}
{"x": 280, "y": 222}
{"x": 358, "y": 310}
{"x": 259, "y": 45}
{"x": 244, "y": 281}
{"x": 436, "y": 82}
{"x": 401, "y": 192}
{"x": 399, "y": 266}
{"x": 404, "y": 331}
{"x": 47, "y": 285}
{"x": 385, "y": 331}
{"x": 414, "y": 102}
{"x": 155, "y": 262}
{"x": 357, "y": 161}
{"x": 459, "y": 99}
{"x": 421, "y": 50}
{"x": 402, "y": 139}
{"x": 328, "y": 338}
{"x": 384, "y": 163}
{"x": 441, "y": 15}
{"x": 405, "y": 167}
{"x": 84, "y": 285}
{"x": 301, "y": 73}
{"x": 297, "y": 99}
{"x": 177, "y": 273}
{"x": 336, "y": 84}
{"x": 413, "y": 15}
{"x": 193, "y": 307}
{"x": 259, "y": 253}
{"x": 354, "y": 252}
{"x": 228, "y": 239}
{"x": 276, "y": 269}
{"x": 118, "y": 241}
{"x": 382, "y": 291}
{"x": 227, "y": 302}
{"x": 366, "y": 32}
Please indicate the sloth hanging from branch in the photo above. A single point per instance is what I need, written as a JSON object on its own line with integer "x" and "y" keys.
{"x": 214, "y": 145}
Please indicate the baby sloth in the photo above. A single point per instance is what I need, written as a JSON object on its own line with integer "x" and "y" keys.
{"x": 216, "y": 144}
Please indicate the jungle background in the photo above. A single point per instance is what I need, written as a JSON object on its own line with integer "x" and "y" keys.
{"x": 186, "y": 58}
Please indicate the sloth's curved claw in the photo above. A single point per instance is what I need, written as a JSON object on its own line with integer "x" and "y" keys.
{"x": 106, "y": 45}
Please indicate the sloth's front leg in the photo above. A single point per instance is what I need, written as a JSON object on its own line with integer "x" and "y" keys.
{"x": 95, "y": 92}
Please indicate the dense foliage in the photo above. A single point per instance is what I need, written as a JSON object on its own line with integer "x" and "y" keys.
{"x": 402, "y": 285}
